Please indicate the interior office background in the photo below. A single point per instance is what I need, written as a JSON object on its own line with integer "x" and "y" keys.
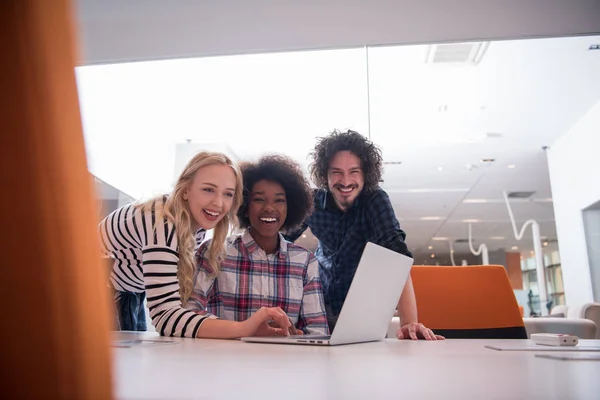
{"x": 571, "y": 274}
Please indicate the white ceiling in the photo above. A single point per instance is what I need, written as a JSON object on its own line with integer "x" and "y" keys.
{"x": 528, "y": 91}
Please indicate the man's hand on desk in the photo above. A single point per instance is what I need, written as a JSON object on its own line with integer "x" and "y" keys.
{"x": 415, "y": 331}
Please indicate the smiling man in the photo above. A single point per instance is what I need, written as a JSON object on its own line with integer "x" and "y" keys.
{"x": 350, "y": 209}
{"x": 261, "y": 269}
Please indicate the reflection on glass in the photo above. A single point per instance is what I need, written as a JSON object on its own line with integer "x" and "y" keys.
{"x": 109, "y": 198}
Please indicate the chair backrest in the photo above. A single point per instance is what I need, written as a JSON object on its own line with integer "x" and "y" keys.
{"x": 468, "y": 302}
{"x": 591, "y": 311}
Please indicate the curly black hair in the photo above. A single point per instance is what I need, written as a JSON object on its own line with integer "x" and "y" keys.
{"x": 369, "y": 154}
{"x": 288, "y": 174}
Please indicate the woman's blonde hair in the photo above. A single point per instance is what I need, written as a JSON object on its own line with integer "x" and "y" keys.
{"x": 177, "y": 210}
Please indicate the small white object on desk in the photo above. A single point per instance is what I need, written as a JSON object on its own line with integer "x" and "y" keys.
{"x": 554, "y": 339}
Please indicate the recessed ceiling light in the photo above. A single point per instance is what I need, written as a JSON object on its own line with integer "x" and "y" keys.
{"x": 497, "y": 237}
{"x": 512, "y": 166}
{"x": 430, "y": 247}
{"x": 494, "y": 135}
{"x": 475, "y": 201}
{"x": 431, "y": 218}
{"x": 439, "y": 238}
{"x": 520, "y": 195}
{"x": 545, "y": 244}
{"x": 515, "y": 248}
{"x": 440, "y": 168}
{"x": 471, "y": 220}
{"x": 433, "y": 256}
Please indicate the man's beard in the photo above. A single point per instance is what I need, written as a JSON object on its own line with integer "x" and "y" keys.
{"x": 344, "y": 203}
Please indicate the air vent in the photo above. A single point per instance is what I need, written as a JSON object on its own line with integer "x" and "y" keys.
{"x": 461, "y": 241}
{"x": 520, "y": 195}
{"x": 456, "y": 53}
{"x": 392, "y": 162}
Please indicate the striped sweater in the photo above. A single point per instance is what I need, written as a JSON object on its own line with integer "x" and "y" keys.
{"x": 146, "y": 259}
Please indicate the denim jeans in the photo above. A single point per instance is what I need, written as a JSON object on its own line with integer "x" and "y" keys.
{"x": 131, "y": 315}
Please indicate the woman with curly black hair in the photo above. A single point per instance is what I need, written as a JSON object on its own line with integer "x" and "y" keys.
{"x": 350, "y": 209}
{"x": 262, "y": 269}
{"x": 294, "y": 194}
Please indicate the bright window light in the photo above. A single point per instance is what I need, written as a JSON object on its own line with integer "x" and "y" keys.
{"x": 134, "y": 114}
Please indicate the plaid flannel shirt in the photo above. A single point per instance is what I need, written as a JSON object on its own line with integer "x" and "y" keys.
{"x": 343, "y": 236}
{"x": 250, "y": 279}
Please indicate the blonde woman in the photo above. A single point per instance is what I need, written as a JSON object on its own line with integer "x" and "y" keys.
{"x": 153, "y": 243}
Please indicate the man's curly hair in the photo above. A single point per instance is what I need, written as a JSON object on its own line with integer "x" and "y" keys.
{"x": 289, "y": 175}
{"x": 370, "y": 157}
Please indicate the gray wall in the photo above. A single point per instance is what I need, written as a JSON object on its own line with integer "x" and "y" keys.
{"x": 591, "y": 223}
{"x": 115, "y": 30}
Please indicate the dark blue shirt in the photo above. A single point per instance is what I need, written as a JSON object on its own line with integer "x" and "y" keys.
{"x": 343, "y": 235}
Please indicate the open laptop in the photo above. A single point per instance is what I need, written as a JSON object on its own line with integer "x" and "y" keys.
{"x": 369, "y": 305}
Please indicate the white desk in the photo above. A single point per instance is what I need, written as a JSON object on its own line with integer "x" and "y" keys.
{"x": 462, "y": 369}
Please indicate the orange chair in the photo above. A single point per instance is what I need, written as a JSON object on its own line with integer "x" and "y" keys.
{"x": 474, "y": 302}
